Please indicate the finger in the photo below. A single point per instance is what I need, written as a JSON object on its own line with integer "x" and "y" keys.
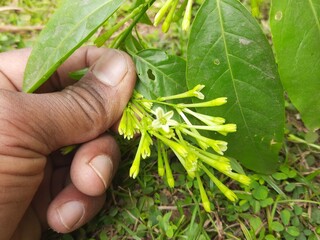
{"x": 78, "y": 114}
{"x": 71, "y": 209}
{"x": 28, "y": 228}
{"x": 13, "y": 63}
{"x": 82, "y": 58}
{"x": 94, "y": 165}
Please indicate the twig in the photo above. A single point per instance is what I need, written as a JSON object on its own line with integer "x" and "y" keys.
{"x": 14, "y": 29}
{"x": 168, "y": 208}
{"x": 10, "y": 8}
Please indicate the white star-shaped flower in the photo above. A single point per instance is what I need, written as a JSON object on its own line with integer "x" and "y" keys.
{"x": 163, "y": 120}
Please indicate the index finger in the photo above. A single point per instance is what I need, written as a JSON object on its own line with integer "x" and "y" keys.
{"x": 13, "y": 63}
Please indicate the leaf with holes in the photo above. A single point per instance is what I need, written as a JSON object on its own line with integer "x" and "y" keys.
{"x": 228, "y": 52}
{"x": 160, "y": 74}
{"x": 71, "y": 25}
{"x": 295, "y": 29}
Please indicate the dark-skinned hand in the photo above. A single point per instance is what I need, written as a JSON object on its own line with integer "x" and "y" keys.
{"x": 39, "y": 187}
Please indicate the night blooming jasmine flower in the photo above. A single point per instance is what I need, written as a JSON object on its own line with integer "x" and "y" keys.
{"x": 163, "y": 120}
{"x": 198, "y": 154}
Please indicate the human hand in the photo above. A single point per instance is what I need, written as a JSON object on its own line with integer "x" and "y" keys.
{"x": 39, "y": 187}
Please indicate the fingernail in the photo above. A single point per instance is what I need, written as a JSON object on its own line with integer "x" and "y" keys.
{"x": 111, "y": 68}
{"x": 103, "y": 167}
{"x": 71, "y": 213}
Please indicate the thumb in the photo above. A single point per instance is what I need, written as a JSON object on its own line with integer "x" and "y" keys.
{"x": 81, "y": 111}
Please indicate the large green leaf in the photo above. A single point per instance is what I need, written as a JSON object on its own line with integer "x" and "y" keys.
{"x": 71, "y": 25}
{"x": 160, "y": 74}
{"x": 229, "y": 53}
{"x": 295, "y": 26}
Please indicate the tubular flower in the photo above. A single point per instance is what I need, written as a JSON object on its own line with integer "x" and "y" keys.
{"x": 187, "y": 16}
{"x": 145, "y": 148}
{"x": 160, "y": 159}
{"x": 208, "y": 120}
{"x": 169, "y": 175}
{"x": 192, "y": 164}
{"x": 128, "y": 125}
{"x": 203, "y": 194}
{"x": 241, "y": 178}
{"x": 217, "y": 145}
{"x": 135, "y": 167}
{"x": 169, "y": 11}
{"x": 163, "y": 120}
{"x": 181, "y": 137}
{"x": 223, "y": 188}
{"x": 195, "y": 92}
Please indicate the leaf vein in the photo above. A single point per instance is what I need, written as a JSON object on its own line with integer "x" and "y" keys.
{"x": 230, "y": 67}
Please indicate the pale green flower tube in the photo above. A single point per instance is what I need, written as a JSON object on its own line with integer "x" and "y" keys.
{"x": 169, "y": 175}
{"x": 221, "y": 166}
{"x": 167, "y": 22}
{"x": 163, "y": 10}
{"x": 187, "y": 16}
{"x": 239, "y": 178}
{"x": 195, "y": 92}
{"x": 212, "y": 103}
{"x": 160, "y": 159}
{"x": 209, "y": 120}
{"x": 223, "y": 188}
{"x": 203, "y": 194}
{"x": 135, "y": 167}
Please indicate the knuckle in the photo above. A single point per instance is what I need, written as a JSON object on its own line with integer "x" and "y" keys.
{"x": 89, "y": 104}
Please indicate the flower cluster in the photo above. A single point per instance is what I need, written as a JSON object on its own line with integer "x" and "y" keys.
{"x": 170, "y": 12}
{"x": 169, "y": 126}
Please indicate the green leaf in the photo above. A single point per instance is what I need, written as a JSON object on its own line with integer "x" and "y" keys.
{"x": 290, "y": 187}
{"x": 245, "y": 231}
{"x": 266, "y": 202}
{"x": 276, "y": 226}
{"x": 295, "y": 27}
{"x": 279, "y": 176}
{"x": 229, "y": 53}
{"x": 260, "y": 193}
{"x": 270, "y": 237}
{"x": 293, "y": 231}
{"x": 160, "y": 74}
{"x": 144, "y": 19}
{"x": 70, "y": 26}
{"x": 285, "y": 216}
{"x": 255, "y": 223}
{"x": 315, "y": 216}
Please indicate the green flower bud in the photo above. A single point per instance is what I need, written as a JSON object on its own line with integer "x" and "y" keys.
{"x": 209, "y": 120}
{"x": 221, "y": 166}
{"x": 161, "y": 13}
{"x": 195, "y": 92}
{"x": 135, "y": 167}
{"x": 239, "y": 178}
{"x": 160, "y": 159}
{"x": 169, "y": 175}
{"x": 223, "y": 188}
{"x": 145, "y": 147}
{"x": 187, "y": 16}
{"x": 203, "y": 194}
{"x": 167, "y": 22}
{"x": 212, "y": 103}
